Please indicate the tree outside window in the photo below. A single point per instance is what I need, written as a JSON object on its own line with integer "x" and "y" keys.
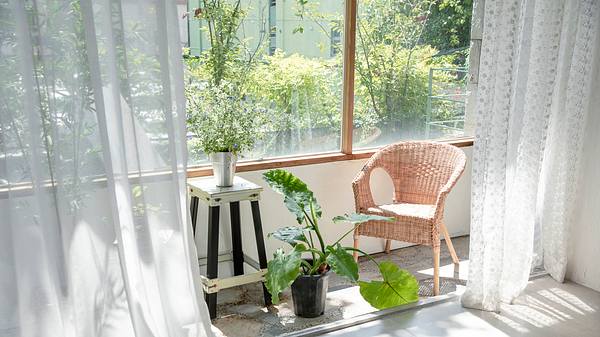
{"x": 410, "y": 68}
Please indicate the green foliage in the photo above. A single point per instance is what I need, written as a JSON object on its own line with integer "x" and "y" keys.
{"x": 299, "y": 92}
{"x": 221, "y": 119}
{"x": 449, "y": 24}
{"x": 397, "y": 288}
{"x": 290, "y": 235}
{"x": 395, "y": 83}
{"x": 282, "y": 270}
{"x": 286, "y": 267}
{"x": 60, "y": 91}
{"x": 224, "y": 58}
{"x": 391, "y": 64}
{"x": 358, "y": 218}
{"x": 297, "y": 197}
{"x": 341, "y": 262}
{"x": 221, "y": 114}
{"x": 397, "y": 43}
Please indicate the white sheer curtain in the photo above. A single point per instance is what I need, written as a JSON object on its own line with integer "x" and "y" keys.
{"x": 94, "y": 235}
{"x": 533, "y": 97}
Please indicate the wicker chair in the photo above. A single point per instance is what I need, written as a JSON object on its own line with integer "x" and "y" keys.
{"x": 423, "y": 174}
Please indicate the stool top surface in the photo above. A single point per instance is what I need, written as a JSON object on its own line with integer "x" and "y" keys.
{"x": 206, "y": 187}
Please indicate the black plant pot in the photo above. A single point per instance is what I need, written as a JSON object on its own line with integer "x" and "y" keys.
{"x": 309, "y": 293}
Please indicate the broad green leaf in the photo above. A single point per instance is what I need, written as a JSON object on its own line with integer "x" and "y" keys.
{"x": 297, "y": 196}
{"x": 397, "y": 288}
{"x": 284, "y": 182}
{"x": 342, "y": 263}
{"x": 290, "y": 235}
{"x": 283, "y": 270}
{"x": 297, "y": 208}
{"x": 357, "y": 218}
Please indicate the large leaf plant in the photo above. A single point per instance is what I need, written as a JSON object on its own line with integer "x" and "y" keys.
{"x": 311, "y": 255}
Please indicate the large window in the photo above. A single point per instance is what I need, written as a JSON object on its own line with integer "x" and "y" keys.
{"x": 405, "y": 80}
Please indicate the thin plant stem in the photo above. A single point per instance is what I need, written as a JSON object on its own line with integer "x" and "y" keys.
{"x": 363, "y": 253}
{"x": 348, "y": 232}
{"x": 316, "y": 227}
{"x": 305, "y": 266}
{"x": 311, "y": 243}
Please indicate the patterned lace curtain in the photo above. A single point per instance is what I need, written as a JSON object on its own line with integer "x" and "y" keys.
{"x": 94, "y": 234}
{"x": 534, "y": 91}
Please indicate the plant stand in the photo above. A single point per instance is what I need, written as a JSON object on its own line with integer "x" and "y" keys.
{"x": 205, "y": 190}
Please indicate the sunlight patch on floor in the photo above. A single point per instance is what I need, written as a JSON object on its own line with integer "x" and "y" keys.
{"x": 450, "y": 270}
{"x": 546, "y": 309}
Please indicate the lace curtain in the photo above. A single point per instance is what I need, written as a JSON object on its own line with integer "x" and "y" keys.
{"x": 532, "y": 102}
{"x": 94, "y": 235}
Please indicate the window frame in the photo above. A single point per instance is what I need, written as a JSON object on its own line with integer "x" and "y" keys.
{"x": 346, "y": 151}
{"x": 308, "y": 159}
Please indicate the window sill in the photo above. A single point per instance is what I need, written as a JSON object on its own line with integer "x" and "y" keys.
{"x": 256, "y": 165}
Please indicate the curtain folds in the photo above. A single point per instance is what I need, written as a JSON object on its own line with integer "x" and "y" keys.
{"x": 532, "y": 102}
{"x": 94, "y": 235}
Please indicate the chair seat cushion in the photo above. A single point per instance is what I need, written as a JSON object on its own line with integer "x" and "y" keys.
{"x": 414, "y": 223}
{"x": 404, "y": 210}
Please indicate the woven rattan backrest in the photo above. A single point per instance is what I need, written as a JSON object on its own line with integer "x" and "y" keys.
{"x": 419, "y": 170}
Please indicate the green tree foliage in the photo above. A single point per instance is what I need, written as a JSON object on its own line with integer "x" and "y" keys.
{"x": 225, "y": 57}
{"x": 394, "y": 83}
{"x": 221, "y": 112}
{"x": 391, "y": 64}
{"x": 301, "y": 92}
{"x": 449, "y": 24}
{"x": 397, "y": 44}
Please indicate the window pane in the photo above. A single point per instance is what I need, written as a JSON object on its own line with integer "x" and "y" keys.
{"x": 297, "y": 76}
{"x": 410, "y": 77}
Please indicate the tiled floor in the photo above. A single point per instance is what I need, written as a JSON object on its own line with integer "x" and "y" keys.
{"x": 241, "y": 313}
{"x": 546, "y": 309}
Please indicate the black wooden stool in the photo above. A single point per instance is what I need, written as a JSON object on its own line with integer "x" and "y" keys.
{"x": 204, "y": 189}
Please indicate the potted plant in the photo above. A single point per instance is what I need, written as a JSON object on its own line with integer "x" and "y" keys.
{"x": 223, "y": 118}
{"x": 224, "y": 124}
{"x": 307, "y": 266}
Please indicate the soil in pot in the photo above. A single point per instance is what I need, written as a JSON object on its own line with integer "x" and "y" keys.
{"x": 309, "y": 293}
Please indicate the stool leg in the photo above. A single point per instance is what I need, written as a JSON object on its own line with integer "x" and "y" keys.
{"x": 212, "y": 256}
{"x": 236, "y": 238}
{"x": 260, "y": 244}
{"x": 194, "y": 213}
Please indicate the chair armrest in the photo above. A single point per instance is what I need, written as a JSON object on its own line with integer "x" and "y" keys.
{"x": 361, "y": 186}
{"x": 445, "y": 190}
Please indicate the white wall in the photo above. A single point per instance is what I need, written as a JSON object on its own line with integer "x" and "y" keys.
{"x": 584, "y": 255}
{"x": 331, "y": 183}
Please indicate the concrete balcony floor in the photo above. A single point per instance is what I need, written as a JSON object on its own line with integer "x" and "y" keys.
{"x": 545, "y": 309}
{"x": 240, "y": 311}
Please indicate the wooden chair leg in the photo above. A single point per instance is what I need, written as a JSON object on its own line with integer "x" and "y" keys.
{"x": 436, "y": 270}
{"x": 449, "y": 243}
{"x": 388, "y": 243}
{"x": 355, "y": 253}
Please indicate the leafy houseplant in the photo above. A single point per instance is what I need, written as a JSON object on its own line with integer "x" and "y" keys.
{"x": 224, "y": 124}
{"x": 220, "y": 113}
{"x": 307, "y": 266}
